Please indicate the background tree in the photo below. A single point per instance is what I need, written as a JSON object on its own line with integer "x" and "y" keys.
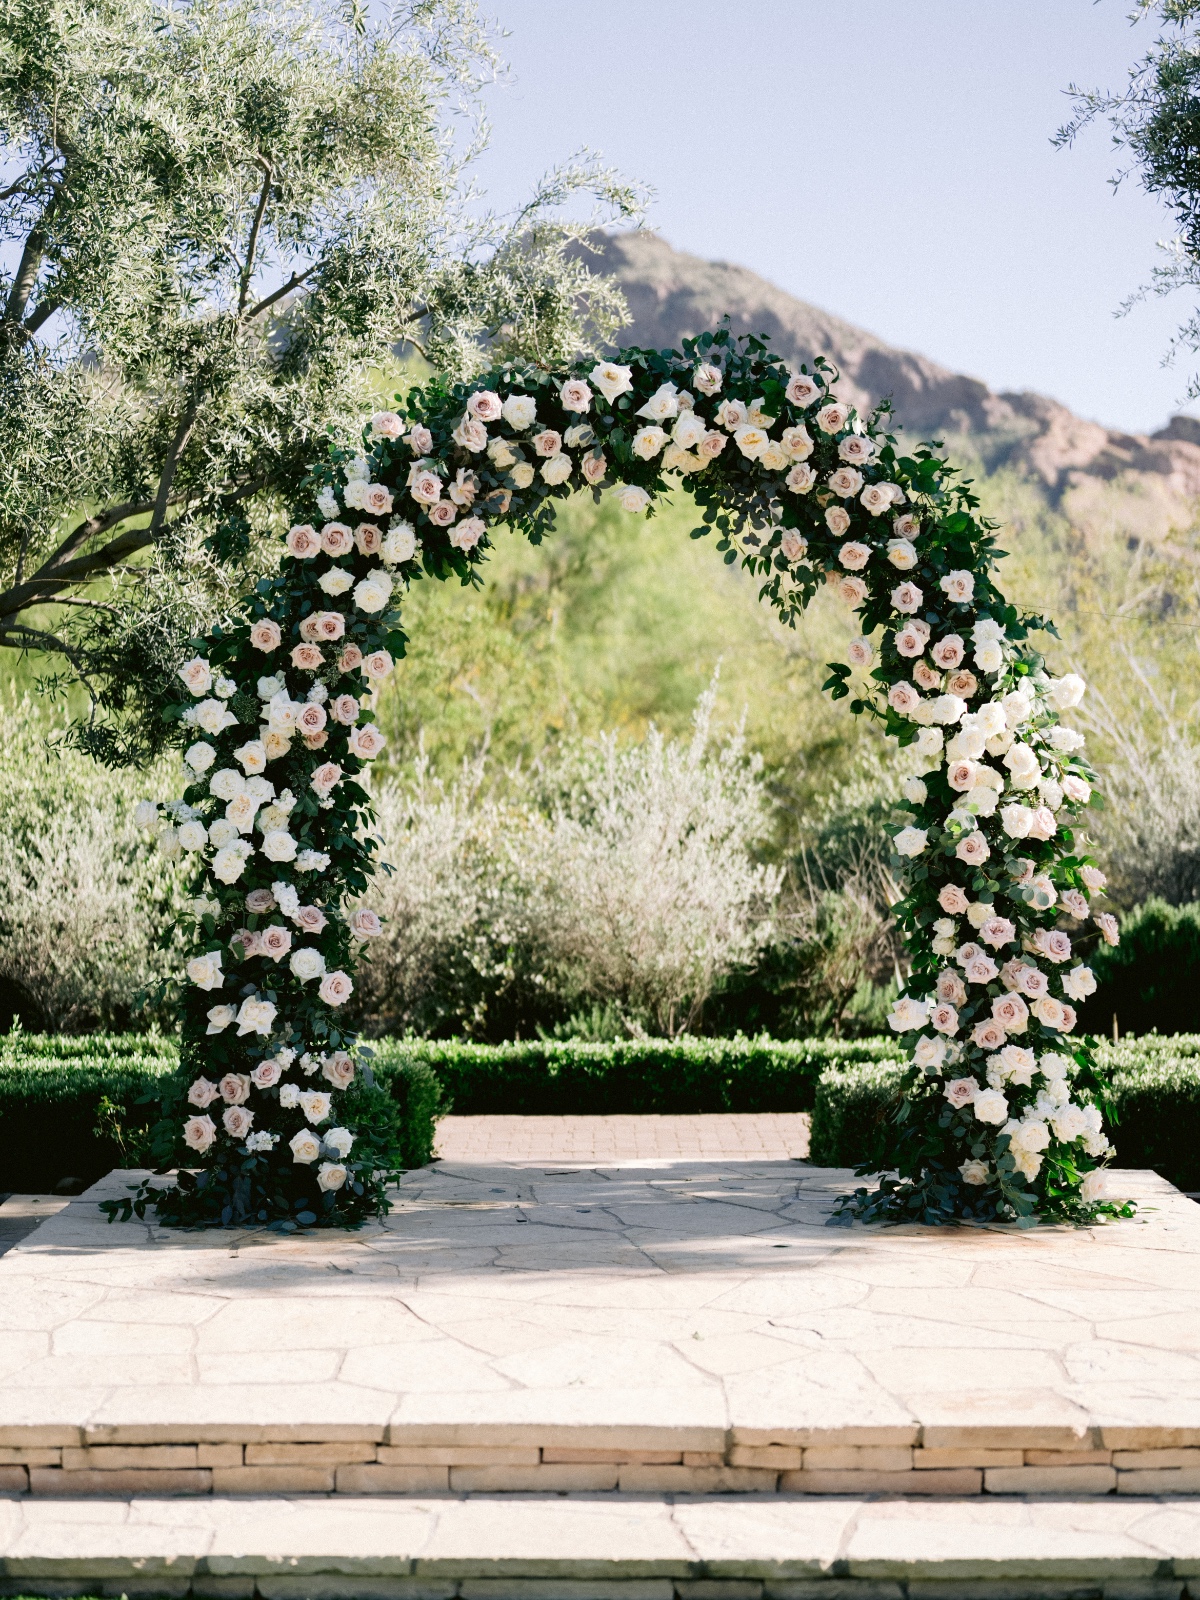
{"x": 216, "y": 221}
{"x": 1155, "y": 123}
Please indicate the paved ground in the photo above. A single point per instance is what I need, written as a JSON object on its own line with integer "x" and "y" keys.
{"x": 699, "y": 1301}
{"x": 769, "y": 1136}
{"x": 20, "y": 1214}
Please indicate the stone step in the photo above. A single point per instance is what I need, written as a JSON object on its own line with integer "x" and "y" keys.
{"x": 577, "y": 1547}
{"x": 691, "y": 1327}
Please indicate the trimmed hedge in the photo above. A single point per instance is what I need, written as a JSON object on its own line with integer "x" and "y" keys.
{"x": 571, "y": 1077}
{"x": 74, "y": 1108}
{"x": 1156, "y": 1095}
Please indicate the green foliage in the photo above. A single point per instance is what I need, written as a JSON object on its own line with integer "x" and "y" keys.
{"x": 1151, "y": 980}
{"x": 1155, "y": 123}
{"x": 77, "y": 1107}
{"x": 580, "y": 1078}
{"x": 221, "y": 219}
{"x": 850, "y": 1110}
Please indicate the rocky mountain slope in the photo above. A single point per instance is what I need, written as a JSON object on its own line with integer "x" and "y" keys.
{"x": 673, "y": 295}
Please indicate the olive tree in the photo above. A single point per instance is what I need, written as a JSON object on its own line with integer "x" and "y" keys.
{"x": 1155, "y": 122}
{"x": 217, "y": 219}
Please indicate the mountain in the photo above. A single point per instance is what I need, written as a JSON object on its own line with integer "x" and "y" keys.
{"x": 673, "y": 295}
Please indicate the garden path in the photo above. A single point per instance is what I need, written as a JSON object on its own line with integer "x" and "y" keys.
{"x": 726, "y": 1136}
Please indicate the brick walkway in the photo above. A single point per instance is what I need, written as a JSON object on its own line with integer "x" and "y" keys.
{"x": 763, "y": 1136}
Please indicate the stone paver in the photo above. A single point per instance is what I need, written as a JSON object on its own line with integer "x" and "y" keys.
{"x": 582, "y": 1548}
{"x": 20, "y": 1214}
{"x": 761, "y": 1136}
{"x": 649, "y": 1326}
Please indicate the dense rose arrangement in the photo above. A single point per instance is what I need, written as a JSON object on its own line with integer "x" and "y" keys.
{"x": 1001, "y": 1114}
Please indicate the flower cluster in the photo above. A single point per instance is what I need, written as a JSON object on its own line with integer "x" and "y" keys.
{"x": 1002, "y": 1105}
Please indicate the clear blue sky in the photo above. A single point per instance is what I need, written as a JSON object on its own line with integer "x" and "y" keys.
{"x": 888, "y": 161}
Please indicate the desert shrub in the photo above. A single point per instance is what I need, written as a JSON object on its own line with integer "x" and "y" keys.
{"x": 621, "y": 876}
{"x": 83, "y": 901}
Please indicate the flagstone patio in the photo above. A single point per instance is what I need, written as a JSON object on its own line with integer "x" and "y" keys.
{"x": 654, "y": 1327}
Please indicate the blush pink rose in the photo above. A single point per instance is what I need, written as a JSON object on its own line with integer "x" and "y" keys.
{"x": 326, "y": 778}
{"x": 266, "y": 1075}
{"x": 265, "y": 636}
{"x": 468, "y": 533}
{"x": 336, "y": 539}
{"x": 312, "y": 719}
{"x": 1011, "y": 1012}
{"x": 989, "y": 1035}
{"x": 420, "y": 440}
{"x": 902, "y": 697}
{"x": 260, "y": 901}
{"x": 378, "y": 664}
{"x": 1053, "y": 944}
{"x": 364, "y": 924}
{"x": 310, "y": 919}
{"x": 944, "y": 1018}
{"x": 238, "y": 1122}
{"x": 338, "y": 1069}
{"x": 595, "y": 464}
{"x": 997, "y": 931}
{"x": 952, "y": 900}
{"x": 350, "y": 659}
{"x": 972, "y": 848}
{"x": 330, "y": 624}
{"x": 203, "y": 1093}
{"x": 443, "y": 513}
{"x": 925, "y": 675}
{"x": 548, "y": 442}
{"x": 377, "y": 500}
{"x": 485, "y": 405}
{"x": 344, "y": 709}
{"x": 368, "y": 538}
{"x": 960, "y": 1092}
{"x": 235, "y": 1088}
{"x": 366, "y": 742}
{"x": 303, "y": 542}
{"x": 276, "y": 942}
{"x": 316, "y": 741}
{"x": 964, "y": 684}
{"x": 906, "y": 598}
{"x": 948, "y": 652}
{"x": 336, "y": 988}
{"x": 199, "y": 1133}
{"x": 307, "y": 657}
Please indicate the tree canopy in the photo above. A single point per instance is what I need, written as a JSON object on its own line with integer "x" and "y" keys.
{"x": 216, "y": 221}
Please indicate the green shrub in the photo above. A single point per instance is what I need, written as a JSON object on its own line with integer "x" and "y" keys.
{"x": 1152, "y": 978}
{"x": 71, "y": 1107}
{"x": 420, "y": 1101}
{"x": 850, "y": 1110}
{"x": 573, "y": 1077}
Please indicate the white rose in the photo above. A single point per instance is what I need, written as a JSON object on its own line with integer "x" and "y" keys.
{"x": 915, "y": 790}
{"x": 336, "y": 581}
{"x": 974, "y": 1172}
{"x": 611, "y": 379}
{"x": 200, "y": 757}
{"x": 193, "y": 836}
{"x": 557, "y": 469}
{"x": 399, "y": 545}
{"x": 374, "y": 591}
{"x": 907, "y": 1013}
{"x": 1066, "y": 692}
{"x": 339, "y": 1141}
{"x": 990, "y": 1105}
{"x": 205, "y": 970}
{"x": 522, "y": 474}
{"x": 305, "y": 1146}
{"x": 219, "y": 1018}
{"x": 307, "y": 964}
{"x": 331, "y": 1175}
{"x": 256, "y": 1016}
{"x": 213, "y": 717}
{"x": 989, "y": 657}
{"x": 630, "y": 497}
{"x": 278, "y": 845}
{"x": 1023, "y": 765}
{"x": 662, "y": 404}
{"x": 911, "y": 841}
{"x": 316, "y": 1104}
{"x": 1079, "y": 983}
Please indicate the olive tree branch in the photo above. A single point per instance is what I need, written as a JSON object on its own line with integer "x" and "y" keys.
{"x": 252, "y": 246}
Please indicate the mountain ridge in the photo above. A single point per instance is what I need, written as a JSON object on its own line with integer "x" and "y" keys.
{"x": 673, "y": 295}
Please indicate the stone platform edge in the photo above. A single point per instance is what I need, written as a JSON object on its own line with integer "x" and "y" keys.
{"x": 510, "y": 1457}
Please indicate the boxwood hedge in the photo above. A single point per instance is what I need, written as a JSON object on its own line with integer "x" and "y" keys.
{"x": 75, "y": 1107}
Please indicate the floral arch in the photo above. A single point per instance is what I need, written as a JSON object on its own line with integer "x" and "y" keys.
{"x": 274, "y": 1118}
